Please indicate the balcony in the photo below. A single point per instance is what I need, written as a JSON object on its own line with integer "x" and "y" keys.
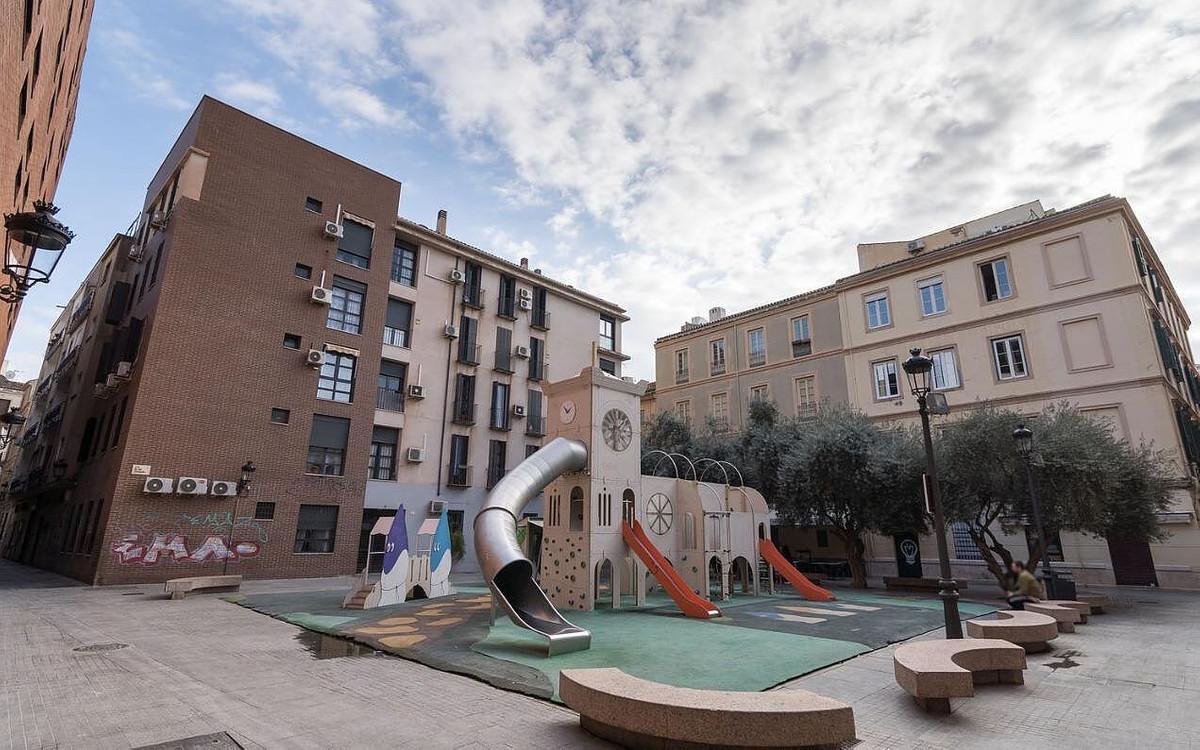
{"x": 389, "y": 400}
{"x": 537, "y": 370}
{"x": 758, "y": 359}
{"x": 473, "y": 297}
{"x": 470, "y": 354}
{"x": 463, "y": 414}
{"x": 504, "y": 360}
{"x": 802, "y": 347}
{"x": 716, "y": 368}
{"x": 395, "y": 336}
{"x": 458, "y": 476}
{"x": 682, "y": 376}
{"x": 539, "y": 319}
{"x": 81, "y": 312}
{"x": 494, "y": 475}
{"x": 535, "y": 425}
{"x": 499, "y": 419}
{"x": 507, "y": 308}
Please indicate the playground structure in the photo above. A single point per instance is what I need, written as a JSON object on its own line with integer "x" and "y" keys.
{"x": 610, "y": 532}
{"x": 402, "y": 576}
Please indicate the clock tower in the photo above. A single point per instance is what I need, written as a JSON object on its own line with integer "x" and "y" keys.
{"x": 585, "y": 562}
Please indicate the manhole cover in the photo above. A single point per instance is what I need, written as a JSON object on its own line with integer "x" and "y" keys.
{"x": 94, "y": 647}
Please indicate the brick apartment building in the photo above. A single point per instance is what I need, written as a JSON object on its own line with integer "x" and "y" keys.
{"x": 42, "y": 44}
{"x": 269, "y": 306}
{"x": 1019, "y": 309}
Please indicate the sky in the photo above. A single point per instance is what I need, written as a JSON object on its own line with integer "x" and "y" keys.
{"x": 669, "y": 156}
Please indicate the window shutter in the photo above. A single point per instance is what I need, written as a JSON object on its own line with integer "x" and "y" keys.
{"x": 329, "y": 432}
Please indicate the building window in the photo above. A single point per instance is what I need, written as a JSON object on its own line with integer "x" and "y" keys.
{"x": 964, "y": 547}
{"x": 327, "y": 445}
{"x": 312, "y": 204}
{"x": 757, "y": 348}
{"x": 806, "y": 397}
{"x": 398, "y": 328}
{"x": 608, "y": 333}
{"x": 932, "y": 293}
{"x": 336, "y": 382}
{"x": 316, "y": 528}
{"x": 404, "y": 264}
{"x": 508, "y": 297}
{"x": 575, "y": 520}
{"x": 541, "y": 316}
{"x": 469, "y": 350}
{"x": 264, "y": 511}
{"x": 1009, "y": 356}
{"x": 719, "y": 410}
{"x": 460, "y": 461}
{"x": 716, "y": 349}
{"x": 760, "y": 392}
{"x": 945, "y": 370}
{"x": 537, "y": 363}
{"x": 500, "y": 399}
{"x": 682, "y": 367}
{"x": 608, "y": 365}
{"x": 463, "y": 411}
{"x": 291, "y": 341}
{"x": 355, "y": 245}
{"x": 531, "y": 448}
{"x": 801, "y": 337}
{"x": 392, "y": 377}
{"x": 684, "y": 410}
{"x": 303, "y": 271}
{"x": 346, "y": 306}
{"x": 281, "y": 416}
{"x": 472, "y": 286}
{"x": 886, "y": 385}
{"x": 382, "y": 461}
{"x": 535, "y": 421}
{"x": 995, "y": 279}
{"x": 497, "y": 453}
{"x": 879, "y": 314}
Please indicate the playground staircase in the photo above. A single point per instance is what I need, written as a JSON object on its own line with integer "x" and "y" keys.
{"x": 359, "y": 597}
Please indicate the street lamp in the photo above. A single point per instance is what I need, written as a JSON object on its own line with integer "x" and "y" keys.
{"x": 919, "y": 369}
{"x": 1023, "y": 437}
{"x": 243, "y": 487}
{"x": 9, "y": 422}
{"x": 33, "y": 243}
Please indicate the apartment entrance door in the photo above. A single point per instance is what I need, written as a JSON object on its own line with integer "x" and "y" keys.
{"x": 1133, "y": 565}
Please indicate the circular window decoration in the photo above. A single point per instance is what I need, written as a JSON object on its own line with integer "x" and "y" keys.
{"x": 658, "y": 513}
{"x": 617, "y": 430}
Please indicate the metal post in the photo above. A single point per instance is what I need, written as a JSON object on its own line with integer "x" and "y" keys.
{"x": 948, "y": 586}
{"x": 1037, "y": 520}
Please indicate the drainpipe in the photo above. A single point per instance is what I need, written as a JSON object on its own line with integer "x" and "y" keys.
{"x": 449, "y": 373}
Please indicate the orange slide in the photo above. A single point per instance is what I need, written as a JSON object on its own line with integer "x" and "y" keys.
{"x": 689, "y": 602}
{"x": 799, "y": 581}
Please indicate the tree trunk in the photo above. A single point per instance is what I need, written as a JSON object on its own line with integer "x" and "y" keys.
{"x": 855, "y": 556}
{"x": 995, "y": 555}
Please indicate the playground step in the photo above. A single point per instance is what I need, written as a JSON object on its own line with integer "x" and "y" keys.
{"x": 359, "y": 599}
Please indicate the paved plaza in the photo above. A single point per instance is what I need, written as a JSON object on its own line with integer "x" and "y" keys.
{"x": 203, "y": 666}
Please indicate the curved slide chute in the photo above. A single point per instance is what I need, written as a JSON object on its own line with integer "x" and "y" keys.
{"x": 688, "y": 601}
{"x": 799, "y": 581}
{"x": 508, "y": 572}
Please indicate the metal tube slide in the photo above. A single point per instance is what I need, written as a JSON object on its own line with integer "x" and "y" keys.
{"x": 507, "y": 571}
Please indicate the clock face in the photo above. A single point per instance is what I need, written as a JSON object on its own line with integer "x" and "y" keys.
{"x": 567, "y": 413}
{"x": 617, "y": 430}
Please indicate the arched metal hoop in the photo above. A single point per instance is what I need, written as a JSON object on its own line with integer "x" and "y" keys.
{"x": 722, "y": 465}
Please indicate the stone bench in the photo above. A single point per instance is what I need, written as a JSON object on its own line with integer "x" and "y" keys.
{"x": 1029, "y": 630}
{"x": 1097, "y": 602}
{"x": 179, "y": 588}
{"x": 1083, "y": 608}
{"x": 637, "y": 713}
{"x": 1066, "y": 617}
{"x": 933, "y": 672}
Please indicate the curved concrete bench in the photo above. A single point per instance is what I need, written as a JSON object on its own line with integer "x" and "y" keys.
{"x": 933, "y": 672}
{"x": 1083, "y": 608}
{"x": 1066, "y": 617}
{"x": 179, "y": 588}
{"x": 633, "y": 712}
{"x": 1097, "y": 602}
{"x": 1029, "y": 630}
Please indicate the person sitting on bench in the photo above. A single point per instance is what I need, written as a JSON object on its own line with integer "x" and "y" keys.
{"x": 1028, "y": 589}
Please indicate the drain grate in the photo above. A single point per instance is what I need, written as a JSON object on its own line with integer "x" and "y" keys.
{"x": 97, "y": 647}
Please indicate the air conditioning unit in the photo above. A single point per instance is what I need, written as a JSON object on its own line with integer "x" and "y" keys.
{"x": 450, "y": 331}
{"x": 99, "y": 390}
{"x": 436, "y": 507}
{"x": 111, "y": 383}
{"x": 159, "y": 486}
{"x": 124, "y": 370}
{"x": 916, "y": 246}
{"x": 415, "y": 455}
{"x": 192, "y": 486}
{"x": 333, "y": 230}
{"x": 524, "y": 294}
{"x": 457, "y": 276}
{"x": 416, "y": 391}
{"x": 521, "y": 351}
{"x": 314, "y": 358}
{"x": 158, "y": 219}
{"x": 321, "y": 295}
{"x": 518, "y": 410}
{"x": 224, "y": 488}
{"x": 525, "y": 304}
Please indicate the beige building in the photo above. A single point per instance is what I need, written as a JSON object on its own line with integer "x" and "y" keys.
{"x": 1019, "y": 309}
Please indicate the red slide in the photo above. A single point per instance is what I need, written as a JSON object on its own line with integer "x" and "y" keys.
{"x": 689, "y": 602}
{"x": 799, "y": 581}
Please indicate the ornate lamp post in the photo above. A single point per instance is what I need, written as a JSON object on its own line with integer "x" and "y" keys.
{"x": 10, "y": 421}
{"x": 243, "y": 486}
{"x": 1023, "y": 437}
{"x": 34, "y": 242}
{"x": 919, "y": 369}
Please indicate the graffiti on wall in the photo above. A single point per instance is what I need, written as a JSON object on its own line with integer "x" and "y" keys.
{"x": 152, "y": 545}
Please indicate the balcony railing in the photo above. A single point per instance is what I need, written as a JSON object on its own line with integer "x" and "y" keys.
{"x": 716, "y": 368}
{"x": 535, "y": 425}
{"x": 395, "y": 336}
{"x": 81, "y": 312}
{"x": 463, "y": 414}
{"x": 389, "y": 400}
{"x": 682, "y": 376}
{"x": 470, "y": 355}
{"x": 458, "y": 476}
{"x": 504, "y": 360}
{"x": 508, "y": 307}
{"x": 758, "y": 359}
{"x": 473, "y": 297}
{"x": 537, "y": 370}
{"x": 494, "y": 475}
{"x": 802, "y": 347}
{"x": 540, "y": 318}
{"x": 499, "y": 419}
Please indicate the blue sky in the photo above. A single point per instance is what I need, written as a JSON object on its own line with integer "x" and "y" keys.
{"x": 669, "y": 156}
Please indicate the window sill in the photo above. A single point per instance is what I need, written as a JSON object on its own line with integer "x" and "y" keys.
{"x": 312, "y": 553}
{"x": 335, "y": 401}
{"x": 364, "y": 269}
{"x": 324, "y": 476}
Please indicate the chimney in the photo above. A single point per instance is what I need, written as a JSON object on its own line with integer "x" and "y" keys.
{"x": 524, "y": 262}
{"x": 538, "y": 271}
{"x": 715, "y": 314}
{"x": 441, "y": 222}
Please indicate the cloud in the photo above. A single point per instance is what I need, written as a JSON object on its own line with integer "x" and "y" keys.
{"x": 247, "y": 92}
{"x": 141, "y": 64}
